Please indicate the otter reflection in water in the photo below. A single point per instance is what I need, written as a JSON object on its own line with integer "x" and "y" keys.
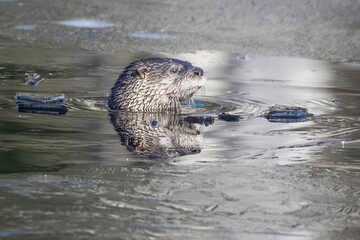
{"x": 156, "y": 135}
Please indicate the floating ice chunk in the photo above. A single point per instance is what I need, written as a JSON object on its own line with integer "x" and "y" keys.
{"x": 85, "y": 23}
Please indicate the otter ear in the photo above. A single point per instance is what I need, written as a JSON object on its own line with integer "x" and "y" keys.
{"x": 143, "y": 70}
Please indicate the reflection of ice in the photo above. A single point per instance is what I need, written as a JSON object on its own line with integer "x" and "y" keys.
{"x": 319, "y": 86}
{"x": 295, "y": 71}
{"x": 287, "y": 81}
{"x": 85, "y": 23}
{"x": 265, "y": 78}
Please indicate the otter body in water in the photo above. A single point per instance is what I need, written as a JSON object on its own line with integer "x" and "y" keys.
{"x": 166, "y": 137}
{"x": 155, "y": 85}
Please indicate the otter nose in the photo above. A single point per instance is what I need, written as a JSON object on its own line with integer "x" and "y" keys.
{"x": 198, "y": 71}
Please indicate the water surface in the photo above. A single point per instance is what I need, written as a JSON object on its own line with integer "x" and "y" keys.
{"x": 70, "y": 177}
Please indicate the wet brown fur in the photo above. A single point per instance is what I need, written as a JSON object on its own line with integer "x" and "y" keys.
{"x": 155, "y": 85}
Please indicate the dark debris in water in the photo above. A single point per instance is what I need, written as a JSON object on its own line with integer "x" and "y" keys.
{"x": 33, "y": 79}
{"x": 229, "y": 117}
{"x": 41, "y": 105}
{"x": 42, "y": 108}
{"x": 204, "y": 120}
{"x": 286, "y": 114}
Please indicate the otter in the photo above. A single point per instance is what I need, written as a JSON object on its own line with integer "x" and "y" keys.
{"x": 155, "y": 85}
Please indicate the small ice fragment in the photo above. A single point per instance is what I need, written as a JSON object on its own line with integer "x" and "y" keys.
{"x": 27, "y": 27}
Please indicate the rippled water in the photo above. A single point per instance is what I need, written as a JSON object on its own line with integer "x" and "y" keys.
{"x": 69, "y": 176}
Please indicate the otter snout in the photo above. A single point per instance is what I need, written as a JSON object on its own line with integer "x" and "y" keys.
{"x": 198, "y": 75}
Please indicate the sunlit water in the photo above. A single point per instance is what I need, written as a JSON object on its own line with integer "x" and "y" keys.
{"x": 69, "y": 176}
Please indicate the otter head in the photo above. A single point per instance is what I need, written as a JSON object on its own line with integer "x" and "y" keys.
{"x": 156, "y": 85}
